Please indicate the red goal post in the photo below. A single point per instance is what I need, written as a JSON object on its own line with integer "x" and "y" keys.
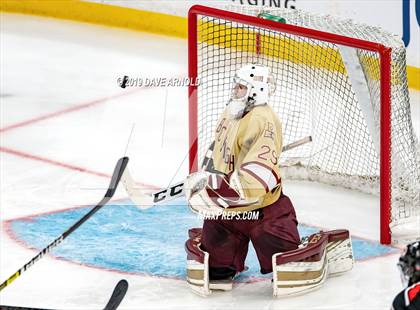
{"x": 383, "y": 52}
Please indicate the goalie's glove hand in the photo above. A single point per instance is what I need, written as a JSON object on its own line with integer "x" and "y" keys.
{"x": 202, "y": 204}
{"x": 195, "y": 188}
{"x": 194, "y": 183}
{"x": 211, "y": 193}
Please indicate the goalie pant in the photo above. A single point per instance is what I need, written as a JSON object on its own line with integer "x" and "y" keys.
{"x": 408, "y": 299}
{"x": 227, "y": 241}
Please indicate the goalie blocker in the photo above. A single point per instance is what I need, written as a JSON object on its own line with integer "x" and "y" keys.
{"x": 294, "y": 272}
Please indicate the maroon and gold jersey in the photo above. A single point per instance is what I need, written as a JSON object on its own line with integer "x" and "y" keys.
{"x": 249, "y": 148}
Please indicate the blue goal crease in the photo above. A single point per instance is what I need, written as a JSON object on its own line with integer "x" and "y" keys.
{"x": 123, "y": 238}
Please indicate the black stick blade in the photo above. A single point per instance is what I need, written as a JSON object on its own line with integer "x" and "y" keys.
{"x": 116, "y": 176}
{"x": 117, "y": 295}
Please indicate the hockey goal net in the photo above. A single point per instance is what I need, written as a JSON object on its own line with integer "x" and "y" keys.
{"x": 342, "y": 83}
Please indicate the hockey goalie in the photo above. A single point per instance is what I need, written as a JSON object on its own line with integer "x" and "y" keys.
{"x": 242, "y": 177}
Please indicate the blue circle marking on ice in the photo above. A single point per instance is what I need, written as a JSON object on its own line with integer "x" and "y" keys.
{"x": 122, "y": 237}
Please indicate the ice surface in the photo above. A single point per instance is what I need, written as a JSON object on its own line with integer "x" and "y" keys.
{"x": 121, "y": 237}
{"x": 62, "y": 161}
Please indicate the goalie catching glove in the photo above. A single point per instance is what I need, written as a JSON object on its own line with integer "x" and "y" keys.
{"x": 211, "y": 194}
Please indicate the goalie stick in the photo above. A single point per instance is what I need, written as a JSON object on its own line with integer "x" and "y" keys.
{"x": 145, "y": 201}
{"x": 116, "y": 176}
{"x": 114, "y": 301}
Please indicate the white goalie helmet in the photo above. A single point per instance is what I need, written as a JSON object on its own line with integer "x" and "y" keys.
{"x": 253, "y": 84}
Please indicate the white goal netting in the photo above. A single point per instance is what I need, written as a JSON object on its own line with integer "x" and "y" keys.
{"x": 330, "y": 92}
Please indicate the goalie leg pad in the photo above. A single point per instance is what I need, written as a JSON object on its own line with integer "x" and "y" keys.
{"x": 198, "y": 271}
{"x": 306, "y": 268}
{"x": 339, "y": 252}
{"x": 197, "y": 264}
{"x": 302, "y": 270}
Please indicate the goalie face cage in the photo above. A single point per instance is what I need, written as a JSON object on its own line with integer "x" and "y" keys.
{"x": 314, "y": 96}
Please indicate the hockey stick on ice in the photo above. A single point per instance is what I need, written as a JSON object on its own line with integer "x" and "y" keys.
{"x": 116, "y": 176}
{"x": 144, "y": 200}
{"x": 114, "y": 301}
{"x": 117, "y": 295}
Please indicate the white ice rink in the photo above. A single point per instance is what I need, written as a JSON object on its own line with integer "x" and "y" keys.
{"x": 65, "y": 122}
